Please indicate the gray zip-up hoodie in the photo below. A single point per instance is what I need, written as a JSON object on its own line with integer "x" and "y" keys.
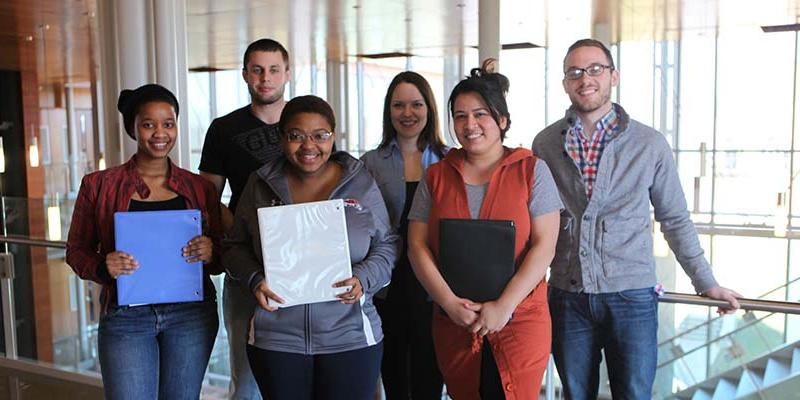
{"x": 319, "y": 328}
{"x": 605, "y": 243}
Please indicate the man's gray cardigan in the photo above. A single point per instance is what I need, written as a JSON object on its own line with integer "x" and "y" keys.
{"x": 605, "y": 244}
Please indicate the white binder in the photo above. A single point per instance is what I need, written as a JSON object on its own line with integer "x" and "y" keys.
{"x": 305, "y": 251}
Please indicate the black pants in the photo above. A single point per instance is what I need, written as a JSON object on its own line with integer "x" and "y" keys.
{"x": 491, "y": 387}
{"x": 409, "y": 368}
{"x": 349, "y": 375}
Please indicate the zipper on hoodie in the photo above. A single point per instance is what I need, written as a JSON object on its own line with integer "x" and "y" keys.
{"x": 307, "y": 328}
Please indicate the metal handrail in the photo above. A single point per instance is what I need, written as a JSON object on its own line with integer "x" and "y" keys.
{"x": 773, "y": 306}
{"x": 695, "y": 301}
{"x": 18, "y": 239}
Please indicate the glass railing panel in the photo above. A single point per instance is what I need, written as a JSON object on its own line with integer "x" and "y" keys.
{"x": 691, "y": 349}
{"x": 719, "y": 345}
{"x": 31, "y": 379}
{"x": 75, "y": 316}
{"x": 74, "y": 304}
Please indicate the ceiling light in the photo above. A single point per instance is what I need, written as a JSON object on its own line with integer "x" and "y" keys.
{"x": 780, "y": 28}
{"x": 392, "y": 54}
{"x": 205, "y": 68}
{"x": 517, "y": 46}
{"x": 521, "y": 45}
{"x": 33, "y": 152}
{"x": 2, "y": 156}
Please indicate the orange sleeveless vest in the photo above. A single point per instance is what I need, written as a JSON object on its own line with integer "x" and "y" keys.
{"x": 521, "y": 349}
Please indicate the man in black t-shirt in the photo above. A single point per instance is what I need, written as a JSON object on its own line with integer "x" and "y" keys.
{"x": 235, "y": 146}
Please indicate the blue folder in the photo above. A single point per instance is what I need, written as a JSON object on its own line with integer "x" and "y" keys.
{"x": 156, "y": 239}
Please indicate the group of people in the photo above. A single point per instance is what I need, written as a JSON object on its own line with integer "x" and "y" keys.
{"x": 579, "y": 200}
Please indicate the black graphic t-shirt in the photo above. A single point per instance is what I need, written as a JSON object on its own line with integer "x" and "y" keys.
{"x": 236, "y": 145}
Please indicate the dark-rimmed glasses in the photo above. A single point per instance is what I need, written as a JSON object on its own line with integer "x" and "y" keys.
{"x": 592, "y": 70}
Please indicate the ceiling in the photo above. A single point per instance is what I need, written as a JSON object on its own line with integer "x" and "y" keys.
{"x": 53, "y": 36}
{"x": 57, "y": 35}
{"x": 219, "y": 31}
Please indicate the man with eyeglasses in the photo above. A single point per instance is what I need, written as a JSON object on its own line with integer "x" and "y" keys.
{"x": 236, "y": 145}
{"x": 609, "y": 170}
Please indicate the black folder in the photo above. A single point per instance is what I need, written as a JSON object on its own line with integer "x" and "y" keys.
{"x": 476, "y": 256}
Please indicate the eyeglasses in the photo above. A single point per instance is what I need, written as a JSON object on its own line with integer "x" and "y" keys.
{"x": 297, "y": 136}
{"x": 592, "y": 70}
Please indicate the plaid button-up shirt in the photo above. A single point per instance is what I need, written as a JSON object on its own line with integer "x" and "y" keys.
{"x": 102, "y": 193}
{"x": 586, "y": 152}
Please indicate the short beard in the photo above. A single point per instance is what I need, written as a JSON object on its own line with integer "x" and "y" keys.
{"x": 264, "y": 101}
{"x": 591, "y": 107}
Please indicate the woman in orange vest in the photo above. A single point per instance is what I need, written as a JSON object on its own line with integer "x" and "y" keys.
{"x": 482, "y": 351}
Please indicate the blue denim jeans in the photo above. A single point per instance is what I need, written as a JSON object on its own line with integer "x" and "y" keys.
{"x": 156, "y": 351}
{"x": 237, "y": 309}
{"x": 623, "y": 325}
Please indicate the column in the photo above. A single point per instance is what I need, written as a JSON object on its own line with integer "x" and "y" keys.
{"x": 335, "y": 72}
{"x": 489, "y": 30}
{"x": 171, "y": 66}
{"x": 141, "y": 41}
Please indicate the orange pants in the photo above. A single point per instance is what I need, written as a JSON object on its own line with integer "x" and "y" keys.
{"x": 521, "y": 350}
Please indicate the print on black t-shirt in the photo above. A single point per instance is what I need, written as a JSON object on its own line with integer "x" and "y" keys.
{"x": 260, "y": 143}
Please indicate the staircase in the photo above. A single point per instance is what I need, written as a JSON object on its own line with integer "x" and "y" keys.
{"x": 773, "y": 376}
{"x": 750, "y": 355}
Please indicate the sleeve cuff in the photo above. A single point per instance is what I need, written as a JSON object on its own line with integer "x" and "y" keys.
{"x": 363, "y": 277}
{"x": 103, "y": 274}
{"x": 255, "y": 280}
{"x": 702, "y": 284}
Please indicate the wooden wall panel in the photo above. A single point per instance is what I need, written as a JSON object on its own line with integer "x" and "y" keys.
{"x": 40, "y": 277}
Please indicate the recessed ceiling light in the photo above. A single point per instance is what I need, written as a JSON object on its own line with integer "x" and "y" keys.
{"x": 392, "y": 54}
{"x": 517, "y": 46}
{"x": 205, "y": 68}
{"x": 780, "y": 28}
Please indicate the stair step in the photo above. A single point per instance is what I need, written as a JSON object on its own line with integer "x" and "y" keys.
{"x": 750, "y": 381}
{"x": 725, "y": 390}
{"x": 777, "y": 369}
{"x": 796, "y": 361}
{"x": 701, "y": 394}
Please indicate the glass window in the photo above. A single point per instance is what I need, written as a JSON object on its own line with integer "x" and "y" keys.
{"x": 197, "y": 87}
{"x": 526, "y": 96}
{"x": 301, "y": 77}
{"x": 748, "y": 182}
{"x": 696, "y": 106}
{"x": 751, "y": 265}
{"x": 793, "y": 290}
{"x": 697, "y": 191}
{"x": 636, "y": 90}
{"x": 754, "y": 91}
{"x": 377, "y": 76}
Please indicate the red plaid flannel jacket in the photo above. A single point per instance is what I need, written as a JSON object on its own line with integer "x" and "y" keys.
{"x": 102, "y": 193}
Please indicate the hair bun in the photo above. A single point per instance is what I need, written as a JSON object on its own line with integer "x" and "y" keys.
{"x": 124, "y": 99}
{"x": 488, "y": 73}
{"x": 489, "y": 66}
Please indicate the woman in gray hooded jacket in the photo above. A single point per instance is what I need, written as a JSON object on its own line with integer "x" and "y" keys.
{"x": 313, "y": 351}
